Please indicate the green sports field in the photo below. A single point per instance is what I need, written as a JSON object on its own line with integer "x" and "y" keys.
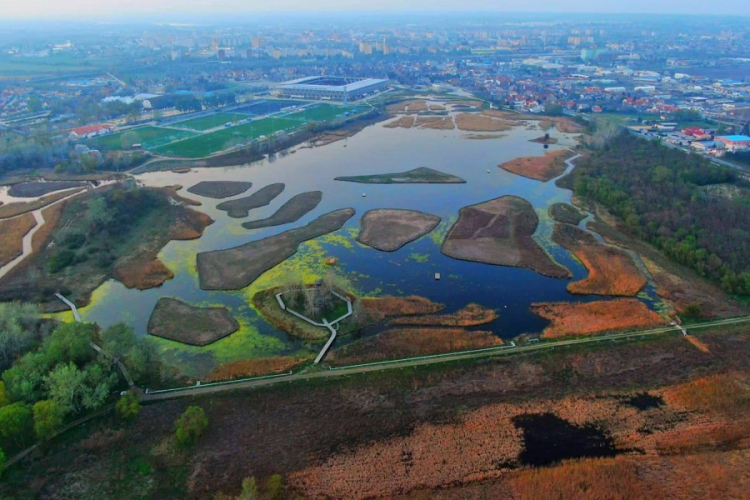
{"x": 148, "y": 137}
{"x": 207, "y": 144}
{"x": 210, "y": 121}
{"x": 322, "y": 113}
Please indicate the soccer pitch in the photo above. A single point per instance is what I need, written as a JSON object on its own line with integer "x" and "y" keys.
{"x": 208, "y": 144}
{"x": 210, "y": 121}
{"x": 148, "y": 137}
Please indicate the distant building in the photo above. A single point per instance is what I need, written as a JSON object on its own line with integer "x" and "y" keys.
{"x": 330, "y": 88}
{"x": 734, "y": 142}
{"x": 90, "y": 131}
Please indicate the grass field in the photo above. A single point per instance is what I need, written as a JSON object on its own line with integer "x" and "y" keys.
{"x": 210, "y": 121}
{"x": 264, "y": 107}
{"x": 321, "y": 112}
{"x": 207, "y": 144}
{"x": 149, "y": 137}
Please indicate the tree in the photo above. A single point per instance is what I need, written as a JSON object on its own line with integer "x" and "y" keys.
{"x": 4, "y": 399}
{"x": 128, "y": 139}
{"x": 128, "y": 407}
{"x": 48, "y": 418}
{"x": 20, "y": 329}
{"x": 190, "y": 426}
{"x": 275, "y": 487}
{"x": 70, "y": 342}
{"x": 2, "y": 462}
{"x": 75, "y": 390}
{"x": 118, "y": 340}
{"x": 15, "y": 423}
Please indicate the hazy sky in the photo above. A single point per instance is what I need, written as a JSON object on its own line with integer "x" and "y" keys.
{"x": 111, "y": 9}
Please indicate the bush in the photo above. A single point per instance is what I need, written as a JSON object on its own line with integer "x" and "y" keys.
{"x": 2, "y": 462}
{"x": 74, "y": 241}
{"x": 128, "y": 407}
{"x": 48, "y": 418}
{"x": 190, "y": 426}
{"x": 60, "y": 261}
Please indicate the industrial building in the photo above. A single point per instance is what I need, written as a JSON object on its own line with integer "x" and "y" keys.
{"x": 330, "y": 88}
{"x": 734, "y": 142}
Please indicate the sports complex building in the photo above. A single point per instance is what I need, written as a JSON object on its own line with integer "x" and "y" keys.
{"x": 330, "y": 88}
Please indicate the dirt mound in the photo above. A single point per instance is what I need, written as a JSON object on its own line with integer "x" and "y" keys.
{"x": 499, "y": 232}
{"x": 388, "y": 229}
{"x": 175, "y": 320}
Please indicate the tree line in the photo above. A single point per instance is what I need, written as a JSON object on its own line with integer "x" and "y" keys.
{"x": 658, "y": 193}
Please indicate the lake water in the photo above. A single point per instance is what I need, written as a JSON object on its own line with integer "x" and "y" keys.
{"x": 408, "y": 271}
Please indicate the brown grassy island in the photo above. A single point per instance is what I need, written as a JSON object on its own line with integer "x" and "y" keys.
{"x": 473, "y": 122}
{"x": 499, "y": 232}
{"x": 562, "y": 212}
{"x": 611, "y": 270}
{"x": 540, "y": 168}
{"x": 291, "y": 211}
{"x": 175, "y": 320}
{"x": 36, "y": 189}
{"x": 471, "y": 315}
{"x": 575, "y": 319}
{"x": 241, "y": 207}
{"x": 235, "y": 268}
{"x": 220, "y": 189}
{"x": 421, "y": 175}
{"x": 388, "y": 229}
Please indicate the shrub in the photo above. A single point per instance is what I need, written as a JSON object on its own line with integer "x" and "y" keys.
{"x": 60, "y": 261}
{"x": 2, "y": 462}
{"x": 48, "y": 418}
{"x": 128, "y": 407}
{"x": 190, "y": 426}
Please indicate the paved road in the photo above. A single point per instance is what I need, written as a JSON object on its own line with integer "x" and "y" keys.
{"x": 427, "y": 360}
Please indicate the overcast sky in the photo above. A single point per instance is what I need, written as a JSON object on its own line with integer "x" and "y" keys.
{"x": 111, "y": 9}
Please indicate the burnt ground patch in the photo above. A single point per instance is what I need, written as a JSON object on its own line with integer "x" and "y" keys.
{"x": 549, "y": 439}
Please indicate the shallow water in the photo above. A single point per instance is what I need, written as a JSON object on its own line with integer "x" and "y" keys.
{"x": 407, "y": 271}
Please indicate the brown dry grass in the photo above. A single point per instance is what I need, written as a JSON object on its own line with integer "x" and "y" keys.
{"x": 410, "y": 342}
{"x": 567, "y": 126}
{"x": 471, "y": 315}
{"x": 611, "y": 270}
{"x": 546, "y": 124}
{"x": 435, "y": 122}
{"x": 409, "y": 107}
{"x": 468, "y": 102}
{"x": 12, "y": 232}
{"x": 51, "y": 216}
{"x": 437, "y": 107}
{"x": 540, "y": 168}
{"x": 403, "y": 122}
{"x": 482, "y": 137}
{"x": 700, "y": 345}
{"x": 143, "y": 275}
{"x": 254, "y": 368}
{"x": 379, "y": 308}
{"x": 569, "y": 319}
{"x": 14, "y": 209}
{"x": 472, "y": 122}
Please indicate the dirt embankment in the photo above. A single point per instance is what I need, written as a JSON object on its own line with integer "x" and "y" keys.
{"x": 254, "y": 368}
{"x": 291, "y": 211}
{"x": 540, "y": 168}
{"x": 143, "y": 269}
{"x": 471, "y": 315}
{"x": 236, "y": 268}
{"x": 611, "y": 270}
{"x": 12, "y": 232}
{"x": 421, "y": 175}
{"x": 175, "y": 320}
{"x": 388, "y": 230}
{"x": 241, "y": 207}
{"x": 591, "y": 318}
{"x": 14, "y": 209}
{"x": 499, "y": 232}
{"x": 220, "y": 189}
{"x": 473, "y": 122}
{"x": 410, "y": 342}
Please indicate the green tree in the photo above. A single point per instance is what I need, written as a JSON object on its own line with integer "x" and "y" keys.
{"x": 118, "y": 340}
{"x": 249, "y": 489}
{"x": 275, "y": 487}
{"x": 75, "y": 390}
{"x": 128, "y": 407}
{"x": 4, "y": 399}
{"x": 129, "y": 139}
{"x": 16, "y": 423}
{"x": 190, "y": 426}
{"x": 2, "y": 462}
{"x": 48, "y": 418}
{"x": 70, "y": 342}
{"x": 19, "y": 330}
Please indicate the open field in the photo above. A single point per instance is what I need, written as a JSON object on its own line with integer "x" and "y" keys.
{"x": 149, "y": 137}
{"x": 611, "y": 270}
{"x": 540, "y": 168}
{"x": 499, "y": 232}
{"x": 237, "y": 267}
{"x": 291, "y": 211}
{"x": 241, "y": 207}
{"x": 590, "y": 318}
{"x": 12, "y": 232}
{"x": 388, "y": 230}
{"x": 175, "y": 320}
{"x": 208, "y": 144}
{"x": 321, "y": 113}
{"x": 266, "y": 107}
{"x": 209, "y": 121}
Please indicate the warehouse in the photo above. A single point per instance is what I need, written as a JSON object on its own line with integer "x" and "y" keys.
{"x": 330, "y": 88}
